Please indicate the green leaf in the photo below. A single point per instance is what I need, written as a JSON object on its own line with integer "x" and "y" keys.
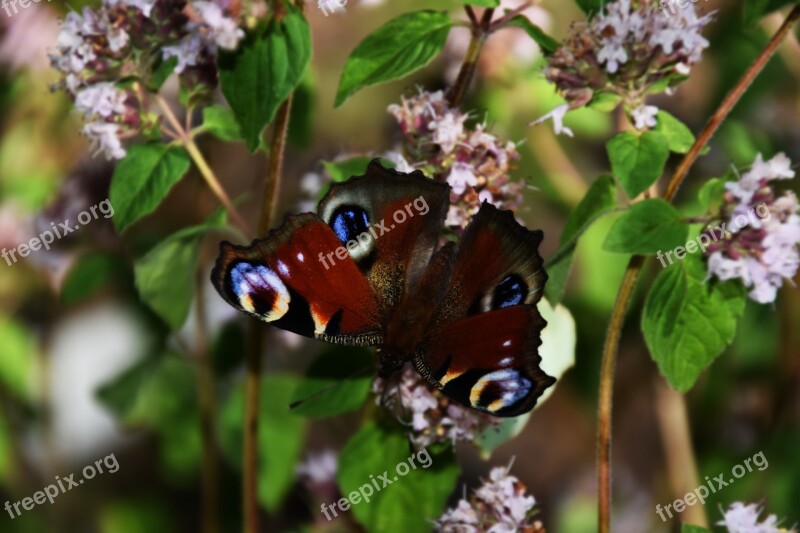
{"x": 754, "y": 10}
{"x": 333, "y": 372}
{"x": 591, "y": 7}
{"x": 18, "y": 359}
{"x": 687, "y": 322}
{"x": 647, "y": 227}
{"x": 159, "y": 392}
{"x": 162, "y": 70}
{"x": 263, "y": 72}
{"x": 136, "y": 515}
{"x": 143, "y": 179}
{"x": 711, "y": 194}
{"x": 637, "y": 161}
{"x": 165, "y": 275}
{"x": 688, "y": 528}
{"x": 219, "y": 121}
{"x": 398, "y": 48}
{"x": 91, "y": 272}
{"x": 546, "y": 43}
{"x": 599, "y": 200}
{"x": 605, "y": 102}
{"x": 280, "y": 437}
{"x": 376, "y": 450}
{"x": 302, "y": 117}
{"x": 483, "y": 3}
{"x": 345, "y": 169}
{"x": 679, "y": 137}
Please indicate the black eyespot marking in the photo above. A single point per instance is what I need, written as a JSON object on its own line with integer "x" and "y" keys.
{"x": 511, "y": 291}
{"x": 348, "y": 222}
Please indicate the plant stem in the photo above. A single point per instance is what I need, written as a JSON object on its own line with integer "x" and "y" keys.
{"x": 676, "y": 435}
{"x": 183, "y": 136}
{"x": 480, "y": 30}
{"x": 253, "y": 379}
{"x": 611, "y": 346}
{"x": 502, "y": 21}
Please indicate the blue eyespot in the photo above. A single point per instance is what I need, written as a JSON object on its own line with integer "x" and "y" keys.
{"x": 511, "y": 291}
{"x": 349, "y": 222}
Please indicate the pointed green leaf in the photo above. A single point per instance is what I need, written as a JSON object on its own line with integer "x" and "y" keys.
{"x": 599, "y": 200}
{"x": 396, "y": 49}
{"x": 546, "y": 43}
{"x": 375, "y": 450}
{"x": 345, "y": 375}
{"x": 143, "y": 179}
{"x": 263, "y": 72}
{"x": 687, "y": 322}
{"x": 637, "y": 161}
{"x": 647, "y": 227}
{"x": 165, "y": 275}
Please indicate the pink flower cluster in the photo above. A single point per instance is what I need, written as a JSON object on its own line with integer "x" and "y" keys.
{"x": 130, "y": 40}
{"x": 476, "y": 164}
{"x": 430, "y": 415}
{"x": 765, "y": 251}
{"x": 501, "y": 504}
{"x": 626, "y": 50}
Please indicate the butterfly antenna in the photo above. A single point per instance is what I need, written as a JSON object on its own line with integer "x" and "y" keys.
{"x": 329, "y": 388}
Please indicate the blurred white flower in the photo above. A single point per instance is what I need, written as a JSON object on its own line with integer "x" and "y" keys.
{"x": 741, "y": 518}
{"x": 557, "y": 115}
{"x": 499, "y": 505}
{"x": 103, "y": 99}
{"x": 104, "y": 137}
{"x": 644, "y": 116}
{"x": 319, "y": 467}
{"x": 461, "y": 176}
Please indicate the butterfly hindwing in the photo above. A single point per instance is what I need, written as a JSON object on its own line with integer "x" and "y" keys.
{"x": 488, "y": 361}
{"x": 482, "y": 346}
{"x": 281, "y": 280}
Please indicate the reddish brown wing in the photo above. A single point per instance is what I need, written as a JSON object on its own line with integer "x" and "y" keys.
{"x": 489, "y": 361}
{"x": 482, "y": 349}
{"x": 286, "y": 281}
{"x": 336, "y": 276}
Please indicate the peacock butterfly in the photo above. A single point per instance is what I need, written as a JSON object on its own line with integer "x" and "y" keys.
{"x": 365, "y": 270}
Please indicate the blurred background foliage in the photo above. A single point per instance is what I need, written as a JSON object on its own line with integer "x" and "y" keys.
{"x": 86, "y": 369}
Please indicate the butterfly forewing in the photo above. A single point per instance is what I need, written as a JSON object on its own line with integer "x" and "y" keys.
{"x": 281, "y": 280}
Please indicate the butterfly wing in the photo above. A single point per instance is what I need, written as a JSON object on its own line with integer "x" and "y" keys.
{"x": 482, "y": 348}
{"x": 335, "y": 276}
{"x": 489, "y": 361}
{"x": 283, "y": 280}
{"x": 392, "y": 222}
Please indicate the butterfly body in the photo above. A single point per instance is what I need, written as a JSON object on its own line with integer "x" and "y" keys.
{"x": 366, "y": 270}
